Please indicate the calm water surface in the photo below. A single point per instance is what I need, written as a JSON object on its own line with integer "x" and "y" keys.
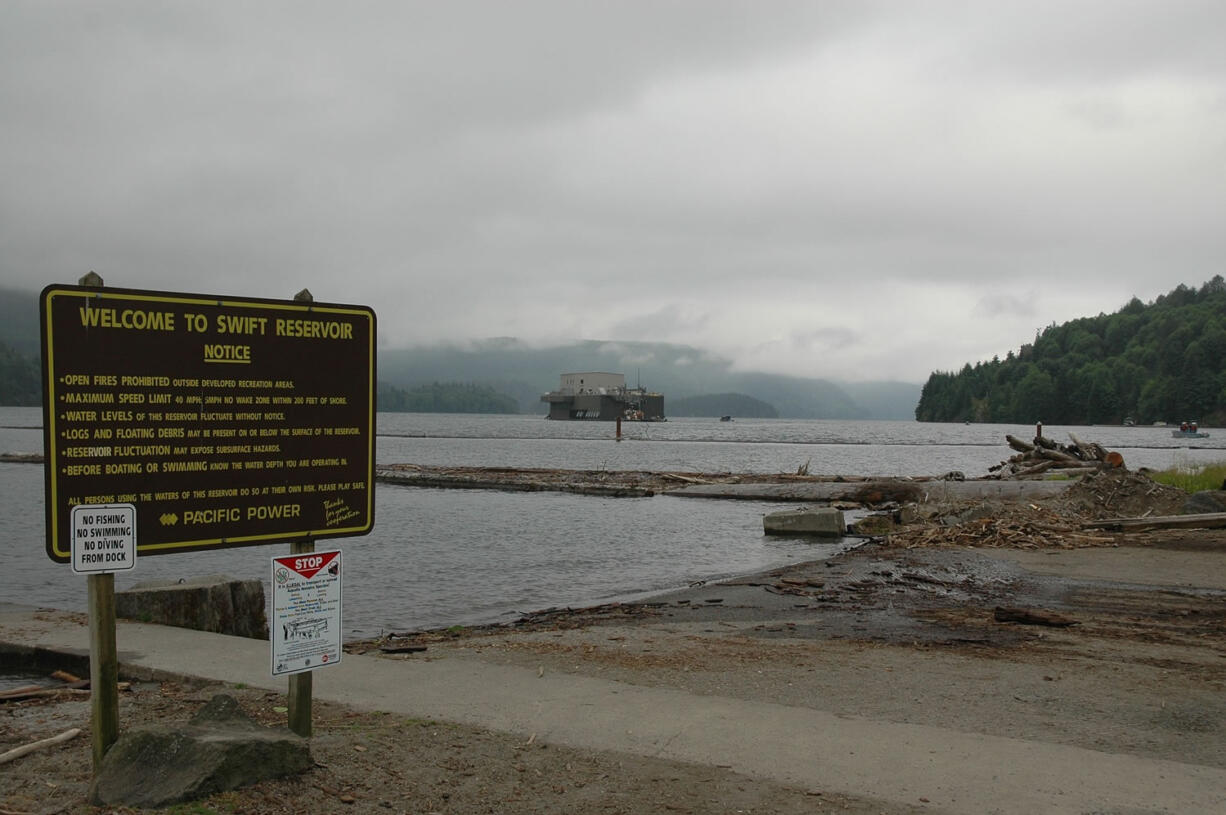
{"x": 446, "y": 557}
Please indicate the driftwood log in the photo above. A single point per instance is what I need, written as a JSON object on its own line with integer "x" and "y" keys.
{"x": 1205, "y": 520}
{"x": 1019, "y": 445}
{"x": 1040, "y": 458}
{"x": 1058, "y": 456}
{"x": 402, "y": 649}
{"x": 18, "y": 752}
{"x": 1090, "y": 451}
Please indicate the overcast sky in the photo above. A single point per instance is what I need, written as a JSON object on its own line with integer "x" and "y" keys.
{"x": 855, "y": 190}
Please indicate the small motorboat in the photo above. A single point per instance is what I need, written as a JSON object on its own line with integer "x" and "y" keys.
{"x": 725, "y": 418}
{"x": 1189, "y": 430}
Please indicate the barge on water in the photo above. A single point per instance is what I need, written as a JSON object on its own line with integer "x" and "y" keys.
{"x": 600, "y": 396}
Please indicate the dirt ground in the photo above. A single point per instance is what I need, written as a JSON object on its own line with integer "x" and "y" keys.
{"x": 912, "y": 626}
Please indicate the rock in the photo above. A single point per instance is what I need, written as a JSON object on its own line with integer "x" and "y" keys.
{"x": 822, "y": 521}
{"x": 210, "y": 603}
{"x": 878, "y": 524}
{"x": 1204, "y": 501}
{"x": 219, "y": 749}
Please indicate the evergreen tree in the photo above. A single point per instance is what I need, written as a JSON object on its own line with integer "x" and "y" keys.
{"x": 1162, "y": 361}
{"x": 20, "y": 378}
{"x": 445, "y": 397}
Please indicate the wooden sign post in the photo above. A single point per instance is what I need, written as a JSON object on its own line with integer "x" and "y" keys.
{"x": 103, "y": 656}
{"x": 301, "y": 685}
{"x": 203, "y": 422}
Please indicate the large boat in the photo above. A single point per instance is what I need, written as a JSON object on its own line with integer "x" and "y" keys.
{"x": 600, "y": 396}
{"x": 1189, "y": 430}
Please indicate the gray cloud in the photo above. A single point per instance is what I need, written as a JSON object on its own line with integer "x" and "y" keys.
{"x": 902, "y": 186}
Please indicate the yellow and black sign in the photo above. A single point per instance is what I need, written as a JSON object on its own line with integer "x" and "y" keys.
{"x": 224, "y": 421}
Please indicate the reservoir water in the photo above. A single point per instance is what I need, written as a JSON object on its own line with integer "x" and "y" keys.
{"x": 456, "y": 557}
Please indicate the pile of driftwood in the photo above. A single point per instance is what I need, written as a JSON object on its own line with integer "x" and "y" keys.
{"x": 1034, "y": 460}
{"x": 1009, "y": 531}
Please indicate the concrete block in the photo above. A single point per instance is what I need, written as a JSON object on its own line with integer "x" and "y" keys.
{"x": 825, "y": 521}
{"x": 209, "y": 603}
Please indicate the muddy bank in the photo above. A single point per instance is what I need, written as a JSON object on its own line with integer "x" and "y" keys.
{"x": 981, "y": 615}
{"x": 1131, "y": 665}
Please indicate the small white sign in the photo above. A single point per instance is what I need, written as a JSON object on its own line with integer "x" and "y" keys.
{"x": 306, "y": 610}
{"x": 103, "y": 538}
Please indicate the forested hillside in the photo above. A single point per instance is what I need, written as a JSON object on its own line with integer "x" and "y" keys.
{"x": 20, "y": 368}
{"x": 678, "y": 371}
{"x": 723, "y": 404}
{"x": 507, "y": 367}
{"x": 20, "y": 378}
{"x": 1159, "y": 362}
{"x": 445, "y": 397}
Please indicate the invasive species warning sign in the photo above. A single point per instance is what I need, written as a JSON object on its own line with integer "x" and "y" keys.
{"x": 103, "y": 538}
{"x": 306, "y": 606}
{"x": 222, "y": 421}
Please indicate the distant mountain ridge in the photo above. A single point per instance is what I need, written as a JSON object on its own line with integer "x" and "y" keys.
{"x": 678, "y": 371}
{"x": 20, "y": 365}
{"x": 19, "y": 320}
{"x": 723, "y": 404}
{"x": 524, "y": 372}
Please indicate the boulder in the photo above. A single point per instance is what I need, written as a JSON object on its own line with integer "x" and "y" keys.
{"x": 824, "y": 521}
{"x": 209, "y": 603}
{"x": 219, "y": 749}
{"x": 1205, "y": 501}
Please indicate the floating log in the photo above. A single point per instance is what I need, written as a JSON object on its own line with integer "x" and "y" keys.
{"x": 22, "y": 458}
{"x": 1025, "y": 616}
{"x": 687, "y": 479}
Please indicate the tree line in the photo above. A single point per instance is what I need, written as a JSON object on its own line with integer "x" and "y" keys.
{"x": 20, "y": 378}
{"x": 723, "y": 404}
{"x": 1159, "y": 362}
